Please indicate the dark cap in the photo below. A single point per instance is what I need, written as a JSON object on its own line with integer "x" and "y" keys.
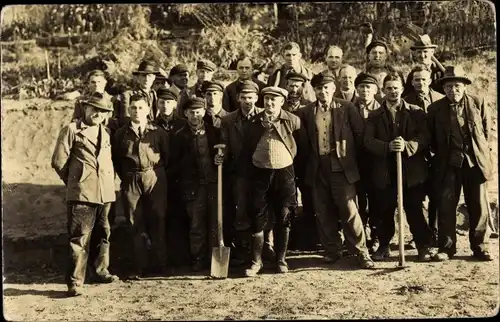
{"x": 365, "y": 78}
{"x": 96, "y": 72}
{"x": 195, "y": 103}
{"x": 274, "y": 90}
{"x": 212, "y": 86}
{"x": 146, "y": 67}
{"x": 248, "y": 86}
{"x": 296, "y": 77}
{"x": 161, "y": 75}
{"x": 178, "y": 69}
{"x": 167, "y": 94}
{"x": 375, "y": 43}
{"x": 322, "y": 78}
{"x": 206, "y": 64}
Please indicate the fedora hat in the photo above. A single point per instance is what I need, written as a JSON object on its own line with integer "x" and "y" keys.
{"x": 146, "y": 67}
{"x": 98, "y": 101}
{"x": 423, "y": 42}
{"x": 454, "y": 73}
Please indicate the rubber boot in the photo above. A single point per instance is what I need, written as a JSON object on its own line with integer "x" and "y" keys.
{"x": 281, "y": 248}
{"x": 257, "y": 245}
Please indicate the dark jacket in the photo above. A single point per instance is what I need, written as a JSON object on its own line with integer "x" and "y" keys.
{"x": 86, "y": 169}
{"x": 215, "y": 122}
{"x": 184, "y": 158}
{"x": 303, "y": 102}
{"x": 338, "y": 94}
{"x": 347, "y": 134}
{"x": 230, "y": 97}
{"x": 413, "y": 129}
{"x": 278, "y": 78}
{"x": 479, "y": 121}
{"x": 171, "y": 126}
{"x": 412, "y": 98}
{"x": 436, "y": 74}
{"x": 123, "y": 103}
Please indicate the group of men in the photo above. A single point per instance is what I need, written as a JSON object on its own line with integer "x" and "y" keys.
{"x": 332, "y": 136}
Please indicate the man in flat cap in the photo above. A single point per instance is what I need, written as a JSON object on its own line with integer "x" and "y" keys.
{"x": 179, "y": 77}
{"x": 366, "y": 104}
{"x": 460, "y": 126}
{"x": 234, "y": 128}
{"x": 422, "y": 52}
{"x": 161, "y": 80}
{"x": 422, "y": 95}
{"x": 271, "y": 145}
{"x": 140, "y": 156}
{"x": 205, "y": 70}
{"x": 244, "y": 68}
{"x": 144, "y": 77}
{"x": 333, "y": 132}
{"x": 295, "y": 83}
{"x": 399, "y": 127}
{"x": 346, "y": 89}
{"x": 212, "y": 91}
{"x": 291, "y": 53}
{"x": 193, "y": 151}
{"x": 82, "y": 159}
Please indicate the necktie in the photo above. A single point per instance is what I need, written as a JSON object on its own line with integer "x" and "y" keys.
{"x": 140, "y": 132}
{"x": 324, "y": 106}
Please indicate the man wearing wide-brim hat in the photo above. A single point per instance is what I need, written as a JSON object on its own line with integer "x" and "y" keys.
{"x": 333, "y": 130}
{"x": 82, "y": 159}
{"x": 422, "y": 52}
{"x": 270, "y": 147}
{"x": 143, "y": 79}
{"x": 460, "y": 126}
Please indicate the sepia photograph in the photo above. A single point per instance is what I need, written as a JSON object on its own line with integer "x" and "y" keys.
{"x": 249, "y": 161}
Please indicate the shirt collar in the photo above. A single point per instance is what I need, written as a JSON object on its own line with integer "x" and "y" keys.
{"x": 320, "y": 105}
{"x": 395, "y": 107}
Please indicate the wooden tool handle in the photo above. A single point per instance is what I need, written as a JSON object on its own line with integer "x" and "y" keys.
{"x": 220, "y": 237}
{"x": 400, "y": 208}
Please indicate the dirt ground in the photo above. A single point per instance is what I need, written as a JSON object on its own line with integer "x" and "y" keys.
{"x": 311, "y": 290}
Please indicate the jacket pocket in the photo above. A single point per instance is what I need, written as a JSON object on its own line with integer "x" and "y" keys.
{"x": 85, "y": 173}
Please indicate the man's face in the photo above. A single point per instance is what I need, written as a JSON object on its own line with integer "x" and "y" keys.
{"x": 393, "y": 90}
{"x": 294, "y": 88}
{"x": 247, "y": 101}
{"x": 292, "y": 57}
{"x": 244, "y": 69}
{"x": 195, "y": 116}
{"x": 145, "y": 81}
{"x": 273, "y": 104}
{"x": 347, "y": 77}
{"x": 93, "y": 115}
{"x": 424, "y": 56}
{"x": 377, "y": 56}
{"x": 97, "y": 84}
{"x": 454, "y": 90}
{"x": 166, "y": 107}
{"x": 160, "y": 84}
{"x": 324, "y": 93}
{"x": 367, "y": 92}
{"x": 139, "y": 111}
{"x": 180, "y": 80}
{"x": 204, "y": 75}
{"x": 214, "y": 101}
{"x": 421, "y": 81}
{"x": 334, "y": 58}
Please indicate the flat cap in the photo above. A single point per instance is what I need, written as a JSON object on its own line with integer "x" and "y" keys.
{"x": 96, "y": 72}
{"x": 296, "y": 76}
{"x": 195, "y": 103}
{"x": 212, "y": 86}
{"x": 322, "y": 78}
{"x": 161, "y": 75}
{"x": 178, "y": 69}
{"x": 365, "y": 78}
{"x": 206, "y": 64}
{"x": 248, "y": 86}
{"x": 274, "y": 90}
{"x": 99, "y": 101}
{"x": 375, "y": 43}
{"x": 167, "y": 94}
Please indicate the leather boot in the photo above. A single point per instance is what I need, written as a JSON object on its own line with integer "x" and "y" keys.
{"x": 268, "y": 252}
{"x": 281, "y": 248}
{"x": 257, "y": 245}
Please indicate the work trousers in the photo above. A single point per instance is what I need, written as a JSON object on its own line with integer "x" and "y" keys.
{"x": 273, "y": 191}
{"x": 367, "y": 205}
{"x": 335, "y": 201}
{"x": 89, "y": 232}
{"x": 474, "y": 185}
{"x": 202, "y": 213}
{"x": 144, "y": 204}
{"x": 413, "y": 199}
{"x": 177, "y": 226}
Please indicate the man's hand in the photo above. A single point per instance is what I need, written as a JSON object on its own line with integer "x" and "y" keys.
{"x": 219, "y": 159}
{"x": 397, "y": 145}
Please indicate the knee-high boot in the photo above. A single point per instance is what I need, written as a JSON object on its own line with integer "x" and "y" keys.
{"x": 281, "y": 245}
{"x": 257, "y": 245}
